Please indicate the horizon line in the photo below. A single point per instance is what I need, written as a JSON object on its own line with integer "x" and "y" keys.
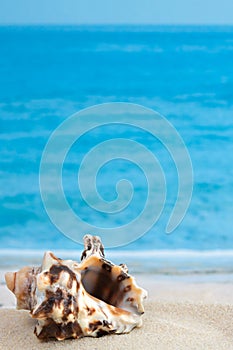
{"x": 118, "y": 24}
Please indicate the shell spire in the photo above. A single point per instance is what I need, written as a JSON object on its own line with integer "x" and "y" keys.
{"x": 73, "y": 300}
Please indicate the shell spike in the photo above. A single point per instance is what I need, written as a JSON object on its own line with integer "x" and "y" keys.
{"x": 71, "y": 299}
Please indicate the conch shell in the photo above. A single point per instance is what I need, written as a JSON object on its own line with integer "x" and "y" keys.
{"x": 73, "y": 300}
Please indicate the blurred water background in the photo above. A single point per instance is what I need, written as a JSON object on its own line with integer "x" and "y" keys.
{"x": 185, "y": 73}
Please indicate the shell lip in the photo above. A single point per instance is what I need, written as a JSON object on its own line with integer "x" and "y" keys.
{"x": 71, "y": 299}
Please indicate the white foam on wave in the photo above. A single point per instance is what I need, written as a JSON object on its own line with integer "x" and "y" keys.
{"x": 162, "y": 263}
{"x": 123, "y": 253}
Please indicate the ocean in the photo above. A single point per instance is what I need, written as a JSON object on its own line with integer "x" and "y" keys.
{"x": 48, "y": 73}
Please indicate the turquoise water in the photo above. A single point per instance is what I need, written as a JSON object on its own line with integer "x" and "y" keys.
{"x": 49, "y": 73}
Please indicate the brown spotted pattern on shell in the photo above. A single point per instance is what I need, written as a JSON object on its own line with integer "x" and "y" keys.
{"x": 72, "y": 300}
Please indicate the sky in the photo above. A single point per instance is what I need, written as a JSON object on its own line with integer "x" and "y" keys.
{"x": 116, "y": 12}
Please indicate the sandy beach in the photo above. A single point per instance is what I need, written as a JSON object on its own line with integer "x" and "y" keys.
{"x": 179, "y": 314}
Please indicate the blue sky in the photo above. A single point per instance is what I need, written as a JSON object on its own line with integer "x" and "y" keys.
{"x": 116, "y": 12}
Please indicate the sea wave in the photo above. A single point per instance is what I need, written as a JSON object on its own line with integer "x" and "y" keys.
{"x": 161, "y": 262}
{"x": 65, "y": 72}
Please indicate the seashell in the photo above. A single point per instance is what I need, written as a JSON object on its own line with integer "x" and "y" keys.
{"x": 73, "y": 300}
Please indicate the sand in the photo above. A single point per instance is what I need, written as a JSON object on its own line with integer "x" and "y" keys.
{"x": 178, "y": 315}
{"x": 166, "y": 326}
